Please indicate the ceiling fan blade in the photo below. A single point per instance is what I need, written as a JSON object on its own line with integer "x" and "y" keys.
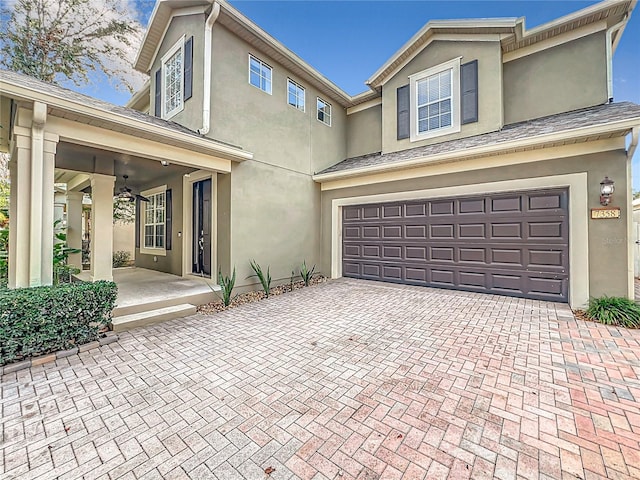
{"x": 141, "y": 198}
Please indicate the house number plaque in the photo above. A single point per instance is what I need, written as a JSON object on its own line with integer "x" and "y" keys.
{"x": 605, "y": 213}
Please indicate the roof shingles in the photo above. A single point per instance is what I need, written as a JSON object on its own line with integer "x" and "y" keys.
{"x": 586, "y": 117}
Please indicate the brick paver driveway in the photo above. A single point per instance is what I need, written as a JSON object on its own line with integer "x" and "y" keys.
{"x": 345, "y": 380}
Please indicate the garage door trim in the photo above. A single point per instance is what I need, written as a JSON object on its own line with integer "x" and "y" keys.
{"x": 578, "y": 219}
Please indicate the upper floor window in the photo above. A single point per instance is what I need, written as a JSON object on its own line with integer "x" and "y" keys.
{"x": 173, "y": 80}
{"x": 324, "y": 112}
{"x": 295, "y": 95}
{"x": 260, "y": 74}
{"x": 435, "y": 101}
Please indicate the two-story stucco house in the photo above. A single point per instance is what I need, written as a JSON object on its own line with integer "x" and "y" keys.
{"x": 473, "y": 161}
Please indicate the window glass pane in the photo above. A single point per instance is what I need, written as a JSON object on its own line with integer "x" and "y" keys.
{"x": 434, "y": 109}
{"x": 434, "y": 122}
{"x": 434, "y": 89}
{"x": 445, "y": 106}
{"x": 422, "y": 125}
{"x": 422, "y": 113}
{"x": 445, "y": 84}
{"x": 422, "y": 92}
{"x": 445, "y": 120}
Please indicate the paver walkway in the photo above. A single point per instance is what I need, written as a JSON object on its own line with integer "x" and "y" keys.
{"x": 348, "y": 379}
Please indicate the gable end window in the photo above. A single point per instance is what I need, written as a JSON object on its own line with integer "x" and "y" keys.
{"x": 435, "y": 101}
{"x": 324, "y": 111}
{"x": 295, "y": 95}
{"x": 260, "y": 74}
{"x": 174, "y": 79}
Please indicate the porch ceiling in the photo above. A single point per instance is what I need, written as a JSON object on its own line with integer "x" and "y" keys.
{"x": 71, "y": 157}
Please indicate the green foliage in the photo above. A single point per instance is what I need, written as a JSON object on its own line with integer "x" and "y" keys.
{"x": 265, "y": 279}
{"x": 56, "y": 40}
{"x": 121, "y": 258}
{"x": 614, "y": 311}
{"x": 62, "y": 271}
{"x": 306, "y": 274}
{"x": 226, "y": 284}
{"x": 41, "y": 320}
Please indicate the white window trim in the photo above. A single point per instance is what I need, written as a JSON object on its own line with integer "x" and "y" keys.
{"x": 304, "y": 95}
{"x": 264, "y": 64}
{"x": 330, "y": 112}
{"x": 146, "y": 250}
{"x": 453, "y": 65}
{"x": 178, "y": 46}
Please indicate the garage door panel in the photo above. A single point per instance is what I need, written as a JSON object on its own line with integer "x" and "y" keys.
{"x": 506, "y": 230}
{"x": 506, "y": 204}
{"x": 545, "y": 202}
{"x": 446, "y": 208}
{"x": 470, "y": 206}
{"x": 415, "y": 210}
{"x": 508, "y": 243}
{"x": 473, "y": 231}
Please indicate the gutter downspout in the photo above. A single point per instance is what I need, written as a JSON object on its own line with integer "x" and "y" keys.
{"x": 609, "y": 47}
{"x": 635, "y": 135}
{"x": 206, "y": 97}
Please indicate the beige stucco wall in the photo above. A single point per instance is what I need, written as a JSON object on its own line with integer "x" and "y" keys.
{"x": 488, "y": 55}
{"x": 188, "y": 25}
{"x": 124, "y": 238}
{"x": 559, "y": 79}
{"x": 607, "y": 239}
{"x": 172, "y": 261}
{"x": 364, "y": 131}
{"x": 269, "y": 207}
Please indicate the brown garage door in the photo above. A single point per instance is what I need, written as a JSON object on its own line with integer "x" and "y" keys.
{"x": 506, "y": 243}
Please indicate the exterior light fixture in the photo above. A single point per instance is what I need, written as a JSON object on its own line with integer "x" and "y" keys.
{"x": 164, "y": 163}
{"x": 606, "y": 191}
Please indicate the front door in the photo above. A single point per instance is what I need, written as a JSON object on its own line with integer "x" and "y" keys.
{"x": 202, "y": 227}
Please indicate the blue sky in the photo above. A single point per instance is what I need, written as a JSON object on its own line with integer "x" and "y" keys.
{"x": 342, "y": 39}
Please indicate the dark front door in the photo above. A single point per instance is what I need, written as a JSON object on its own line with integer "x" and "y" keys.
{"x": 202, "y": 227}
{"x": 506, "y": 243}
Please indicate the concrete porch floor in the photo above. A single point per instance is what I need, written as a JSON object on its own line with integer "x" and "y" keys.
{"x": 151, "y": 295}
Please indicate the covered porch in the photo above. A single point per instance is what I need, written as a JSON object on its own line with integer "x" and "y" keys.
{"x": 58, "y": 136}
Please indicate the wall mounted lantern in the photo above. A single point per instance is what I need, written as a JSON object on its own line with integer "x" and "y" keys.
{"x": 606, "y": 191}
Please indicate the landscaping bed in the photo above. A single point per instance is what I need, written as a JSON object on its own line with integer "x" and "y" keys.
{"x": 249, "y": 297}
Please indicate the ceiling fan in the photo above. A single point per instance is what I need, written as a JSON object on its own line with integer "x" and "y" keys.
{"x": 127, "y": 194}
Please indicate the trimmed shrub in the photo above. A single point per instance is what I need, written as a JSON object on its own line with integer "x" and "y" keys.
{"x": 121, "y": 258}
{"x": 614, "y": 311}
{"x": 41, "y": 320}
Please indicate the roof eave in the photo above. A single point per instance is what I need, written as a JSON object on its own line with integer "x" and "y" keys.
{"x": 619, "y": 126}
{"x": 20, "y": 92}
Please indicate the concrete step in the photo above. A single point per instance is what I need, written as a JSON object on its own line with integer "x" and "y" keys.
{"x": 138, "y": 319}
{"x": 199, "y": 296}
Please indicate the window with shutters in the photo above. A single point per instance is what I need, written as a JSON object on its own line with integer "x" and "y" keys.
{"x": 172, "y": 77}
{"x": 153, "y": 224}
{"x": 435, "y": 101}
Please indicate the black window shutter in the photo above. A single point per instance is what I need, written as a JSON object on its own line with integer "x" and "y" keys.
{"x": 469, "y": 89}
{"x": 157, "y": 111}
{"x": 137, "y": 227}
{"x": 188, "y": 69}
{"x": 168, "y": 222}
{"x": 403, "y": 112}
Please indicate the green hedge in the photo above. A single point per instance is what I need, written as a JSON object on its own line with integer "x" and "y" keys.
{"x": 41, "y": 320}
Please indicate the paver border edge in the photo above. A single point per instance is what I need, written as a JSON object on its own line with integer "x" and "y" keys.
{"x": 109, "y": 338}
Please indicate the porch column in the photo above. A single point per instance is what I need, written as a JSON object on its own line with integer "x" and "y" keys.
{"x": 102, "y": 226}
{"x": 31, "y": 211}
{"x": 74, "y": 226}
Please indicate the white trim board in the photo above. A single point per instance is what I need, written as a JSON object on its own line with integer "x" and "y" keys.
{"x": 578, "y": 220}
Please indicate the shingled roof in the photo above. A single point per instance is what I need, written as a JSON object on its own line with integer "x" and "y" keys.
{"x": 586, "y": 117}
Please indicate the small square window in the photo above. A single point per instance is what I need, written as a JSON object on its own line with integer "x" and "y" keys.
{"x": 324, "y": 112}
{"x": 295, "y": 95}
{"x": 260, "y": 74}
